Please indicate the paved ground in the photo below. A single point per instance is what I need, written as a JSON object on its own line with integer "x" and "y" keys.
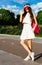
{"x": 12, "y": 53}
{"x": 10, "y": 59}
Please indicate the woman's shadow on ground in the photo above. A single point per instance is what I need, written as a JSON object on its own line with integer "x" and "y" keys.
{"x": 38, "y": 56}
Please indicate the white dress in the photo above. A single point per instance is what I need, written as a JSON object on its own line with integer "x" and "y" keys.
{"x": 27, "y": 32}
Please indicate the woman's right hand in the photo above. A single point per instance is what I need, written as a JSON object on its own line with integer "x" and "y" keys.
{"x": 21, "y": 12}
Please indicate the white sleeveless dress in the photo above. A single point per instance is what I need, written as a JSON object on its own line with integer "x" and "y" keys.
{"x": 27, "y": 32}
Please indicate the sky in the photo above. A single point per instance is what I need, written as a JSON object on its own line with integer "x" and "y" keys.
{"x": 16, "y": 5}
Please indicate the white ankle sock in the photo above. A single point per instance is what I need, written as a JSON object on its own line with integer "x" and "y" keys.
{"x": 32, "y": 56}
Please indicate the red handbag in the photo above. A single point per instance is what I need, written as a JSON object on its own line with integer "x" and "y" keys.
{"x": 37, "y": 29}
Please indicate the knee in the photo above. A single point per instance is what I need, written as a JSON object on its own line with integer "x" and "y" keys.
{"x": 21, "y": 42}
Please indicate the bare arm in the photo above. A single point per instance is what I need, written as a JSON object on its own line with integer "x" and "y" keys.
{"x": 21, "y": 12}
{"x": 20, "y": 18}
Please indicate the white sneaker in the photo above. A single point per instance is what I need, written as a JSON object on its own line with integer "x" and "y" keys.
{"x": 32, "y": 56}
{"x": 27, "y": 58}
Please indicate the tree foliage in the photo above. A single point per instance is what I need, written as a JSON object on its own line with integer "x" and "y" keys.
{"x": 6, "y": 17}
{"x": 17, "y": 19}
{"x": 39, "y": 17}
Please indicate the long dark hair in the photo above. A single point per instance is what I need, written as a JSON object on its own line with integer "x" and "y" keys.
{"x": 31, "y": 14}
{"x": 30, "y": 11}
{"x": 24, "y": 14}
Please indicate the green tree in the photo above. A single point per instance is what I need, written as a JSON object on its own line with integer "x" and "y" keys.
{"x": 39, "y": 17}
{"x": 17, "y": 19}
{"x": 7, "y": 17}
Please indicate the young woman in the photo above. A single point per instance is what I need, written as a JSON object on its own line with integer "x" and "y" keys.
{"x": 26, "y": 17}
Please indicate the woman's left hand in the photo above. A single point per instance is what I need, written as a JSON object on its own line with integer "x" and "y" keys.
{"x": 33, "y": 29}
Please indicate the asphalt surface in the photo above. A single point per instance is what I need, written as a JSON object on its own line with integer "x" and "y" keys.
{"x": 12, "y": 53}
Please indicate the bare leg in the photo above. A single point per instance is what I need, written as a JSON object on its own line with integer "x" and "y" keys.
{"x": 30, "y": 48}
{"x": 25, "y": 46}
{"x": 29, "y": 42}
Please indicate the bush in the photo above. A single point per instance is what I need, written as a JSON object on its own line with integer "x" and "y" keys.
{"x": 15, "y": 30}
